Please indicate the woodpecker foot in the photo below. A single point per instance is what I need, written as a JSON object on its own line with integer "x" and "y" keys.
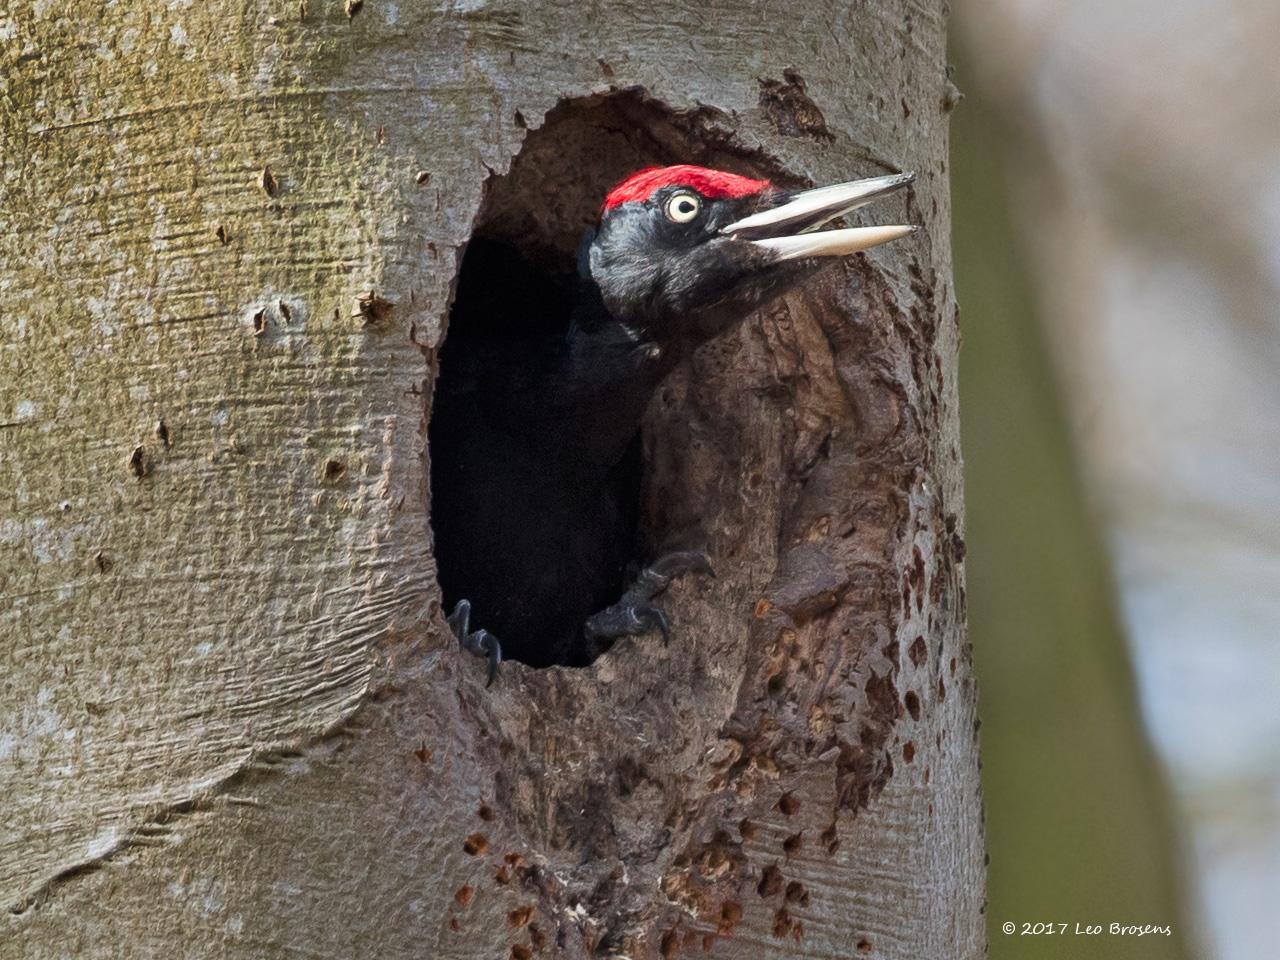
{"x": 656, "y": 577}
{"x": 635, "y": 613}
{"x": 626, "y": 619}
{"x": 482, "y": 643}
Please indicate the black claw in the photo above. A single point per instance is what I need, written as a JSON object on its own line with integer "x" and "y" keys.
{"x": 481, "y": 642}
{"x": 635, "y": 613}
{"x": 664, "y": 625}
{"x": 489, "y": 643}
{"x": 656, "y": 577}
{"x": 628, "y": 619}
{"x": 678, "y": 562}
{"x": 460, "y": 620}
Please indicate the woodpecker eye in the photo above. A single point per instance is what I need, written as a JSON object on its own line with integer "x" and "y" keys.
{"x": 683, "y": 207}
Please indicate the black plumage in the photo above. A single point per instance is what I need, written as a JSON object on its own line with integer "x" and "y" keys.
{"x": 534, "y": 457}
{"x": 542, "y": 385}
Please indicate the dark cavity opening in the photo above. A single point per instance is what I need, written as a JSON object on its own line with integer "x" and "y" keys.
{"x": 532, "y": 547}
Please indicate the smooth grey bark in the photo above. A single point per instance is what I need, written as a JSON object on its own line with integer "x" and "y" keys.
{"x": 234, "y": 722}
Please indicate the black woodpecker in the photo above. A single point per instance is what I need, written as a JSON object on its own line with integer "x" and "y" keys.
{"x": 534, "y": 431}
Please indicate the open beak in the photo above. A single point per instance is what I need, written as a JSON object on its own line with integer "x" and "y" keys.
{"x": 788, "y": 229}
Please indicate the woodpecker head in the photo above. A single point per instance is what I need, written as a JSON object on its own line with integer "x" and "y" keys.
{"x": 683, "y": 253}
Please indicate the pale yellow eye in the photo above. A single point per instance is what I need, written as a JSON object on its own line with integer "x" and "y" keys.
{"x": 683, "y": 206}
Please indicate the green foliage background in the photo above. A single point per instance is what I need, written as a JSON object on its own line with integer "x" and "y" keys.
{"x": 1076, "y": 813}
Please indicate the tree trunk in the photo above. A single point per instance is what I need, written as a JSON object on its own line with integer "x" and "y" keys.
{"x": 235, "y": 722}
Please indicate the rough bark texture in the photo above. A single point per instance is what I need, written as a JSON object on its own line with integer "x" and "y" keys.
{"x": 234, "y": 721}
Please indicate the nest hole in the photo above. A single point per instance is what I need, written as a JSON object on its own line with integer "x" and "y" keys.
{"x": 515, "y": 293}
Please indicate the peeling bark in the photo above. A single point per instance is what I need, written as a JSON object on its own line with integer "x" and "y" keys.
{"x": 234, "y": 720}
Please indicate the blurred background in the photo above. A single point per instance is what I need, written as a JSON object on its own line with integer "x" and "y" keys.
{"x": 1116, "y": 171}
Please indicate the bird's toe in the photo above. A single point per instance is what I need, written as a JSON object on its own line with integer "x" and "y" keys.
{"x": 480, "y": 642}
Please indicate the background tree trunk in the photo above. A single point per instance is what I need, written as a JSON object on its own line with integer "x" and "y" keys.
{"x": 235, "y": 723}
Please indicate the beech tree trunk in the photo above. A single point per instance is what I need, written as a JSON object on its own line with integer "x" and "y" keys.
{"x": 234, "y": 722}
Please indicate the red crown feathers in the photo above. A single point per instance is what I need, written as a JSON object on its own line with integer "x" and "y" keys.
{"x": 713, "y": 184}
